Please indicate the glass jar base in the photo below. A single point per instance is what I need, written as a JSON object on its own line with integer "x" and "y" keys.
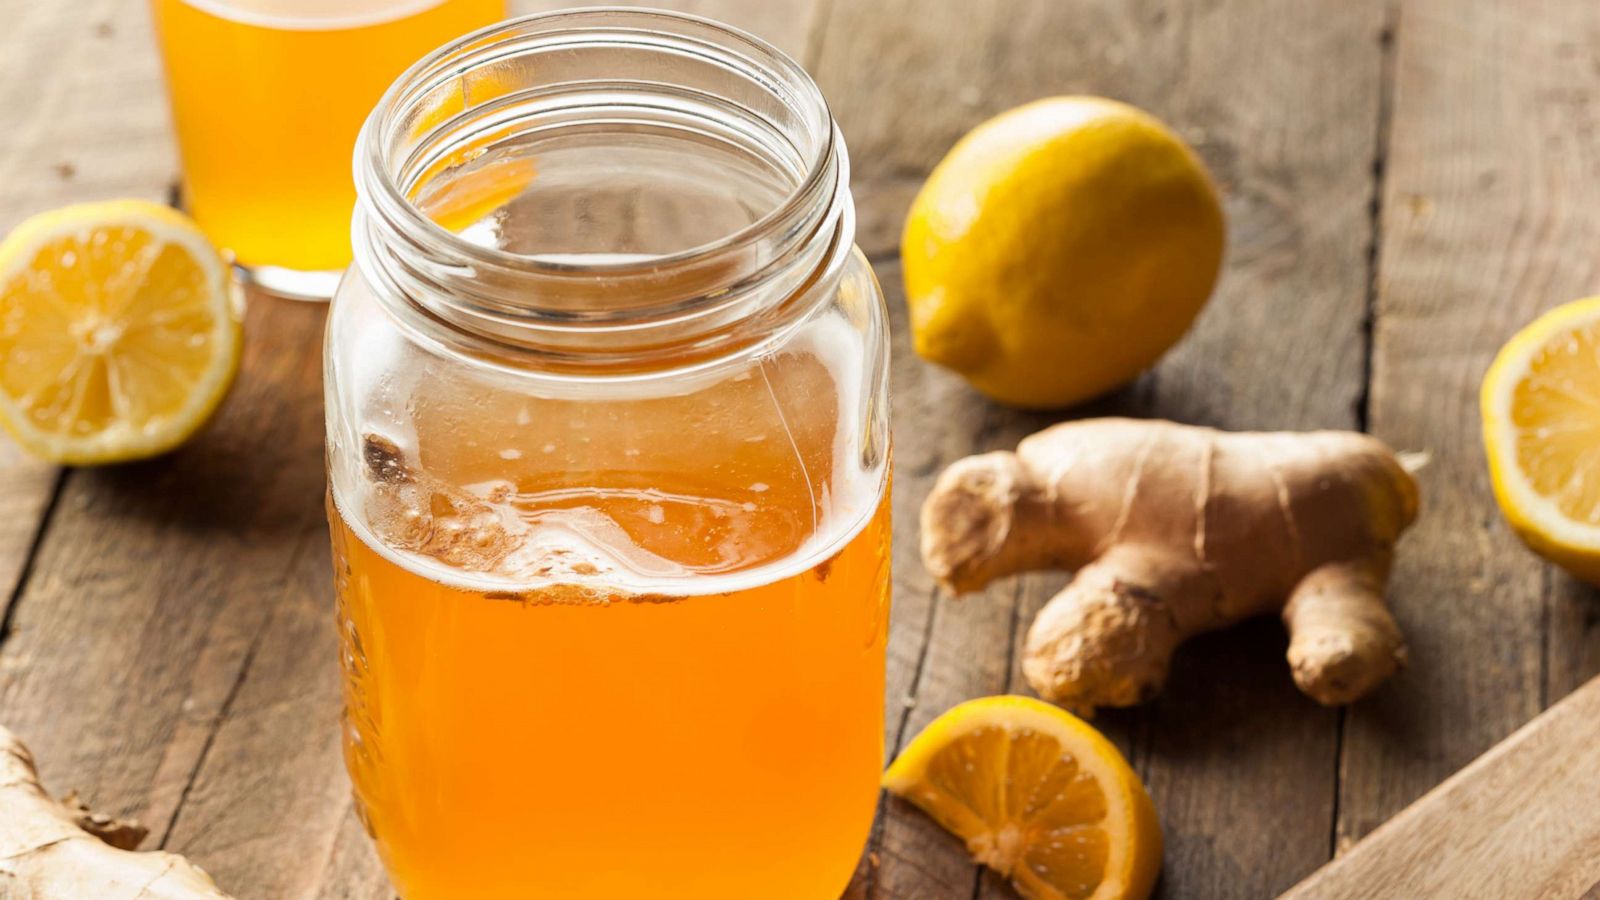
{"x": 290, "y": 284}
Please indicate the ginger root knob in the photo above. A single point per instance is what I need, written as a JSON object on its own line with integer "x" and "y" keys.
{"x": 1175, "y": 530}
{"x": 52, "y": 849}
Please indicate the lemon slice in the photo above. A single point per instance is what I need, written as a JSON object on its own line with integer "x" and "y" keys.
{"x": 1541, "y": 429}
{"x": 1038, "y": 795}
{"x": 119, "y": 331}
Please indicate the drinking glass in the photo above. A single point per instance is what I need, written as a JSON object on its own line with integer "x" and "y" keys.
{"x": 267, "y": 97}
{"x": 608, "y": 461}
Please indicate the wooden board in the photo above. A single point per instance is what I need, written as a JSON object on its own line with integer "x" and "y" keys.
{"x": 166, "y": 647}
{"x": 1488, "y": 219}
{"x": 152, "y": 586}
{"x": 85, "y": 120}
{"x": 1520, "y": 823}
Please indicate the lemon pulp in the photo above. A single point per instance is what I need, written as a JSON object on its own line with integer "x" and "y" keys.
{"x": 119, "y": 331}
{"x": 1037, "y": 795}
{"x": 1541, "y": 430}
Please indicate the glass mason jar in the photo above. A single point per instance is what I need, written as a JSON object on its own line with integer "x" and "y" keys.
{"x": 608, "y": 461}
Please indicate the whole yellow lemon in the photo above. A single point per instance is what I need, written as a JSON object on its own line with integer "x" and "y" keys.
{"x": 1059, "y": 249}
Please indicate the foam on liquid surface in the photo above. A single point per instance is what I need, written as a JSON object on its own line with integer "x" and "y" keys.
{"x": 313, "y": 15}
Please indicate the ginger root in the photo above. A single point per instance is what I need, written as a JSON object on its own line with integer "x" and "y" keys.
{"x": 1176, "y": 530}
{"x": 58, "y": 850}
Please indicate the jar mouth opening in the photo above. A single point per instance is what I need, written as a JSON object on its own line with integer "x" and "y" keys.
{"x": 400, "y": 126}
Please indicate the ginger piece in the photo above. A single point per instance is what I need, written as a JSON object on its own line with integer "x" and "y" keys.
{"x": 58, "y": 850}
{"x": 1176, "y": 530}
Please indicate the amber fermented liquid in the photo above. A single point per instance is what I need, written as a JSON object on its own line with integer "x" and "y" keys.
{"x": 267, "y": 98}
{"x": 540, "y": 744}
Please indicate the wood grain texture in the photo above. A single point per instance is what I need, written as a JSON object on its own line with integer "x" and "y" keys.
{"x": 786, "y": 24}
{"x": 1241, "y": 765}
{"x": 1520, "y": 823}
{"x": 1488, "y": 219}
{"x": 267, "y": 808}
{"x": 86, "y": 115}
{"x": 84, "y": 120}
{"x": 170, "y": 654}
{"x": 27, "y": 486}
{"x": 154, "y": 581}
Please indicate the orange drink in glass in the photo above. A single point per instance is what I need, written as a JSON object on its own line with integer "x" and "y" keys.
{"x": 608, "y": 459}
{"x": 267, "y": 97}
{"x": 715, "y": 746}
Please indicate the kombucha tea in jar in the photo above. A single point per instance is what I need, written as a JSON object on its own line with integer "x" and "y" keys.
{"x": 267, "y": 98}
{"x": 608, "y": 472}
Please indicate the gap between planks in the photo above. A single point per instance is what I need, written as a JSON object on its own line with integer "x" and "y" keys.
{"x": 25, "y": 571}
{"x": 1387, "y": 38}
{"x": 225, "y": 709}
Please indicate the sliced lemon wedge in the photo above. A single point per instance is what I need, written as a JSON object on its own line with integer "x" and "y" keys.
{"x": 1038, "y": 795}
{"x": 119, "y": 331}
{"x": 1541, "y": 430}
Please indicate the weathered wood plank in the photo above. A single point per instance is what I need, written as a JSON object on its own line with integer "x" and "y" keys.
{"x": 84, "y": 121}
{"x": 1520, "y": 823}
{"x": 265, "y": 811}
{"x": 1487, "y": 220}
{"x": 27, "y": 486}
{"x": 786, "y": 24}
{"x": 1572, "y": 651}
{"x": 154, "y": 580}
{"x": 1291, "y": 135}
{"x": 85, "y": 114}
{"x": 352, "y": 870}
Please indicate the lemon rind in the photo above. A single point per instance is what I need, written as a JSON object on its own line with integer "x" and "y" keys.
{"x": 1105, "y": 762}
{"x": 1525, "y": 506}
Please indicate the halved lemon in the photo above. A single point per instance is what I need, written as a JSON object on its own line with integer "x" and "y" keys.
{"x": 1038, "y": 795}
{"x": 1541, "y": 430}
{"x": 119, "y": 331}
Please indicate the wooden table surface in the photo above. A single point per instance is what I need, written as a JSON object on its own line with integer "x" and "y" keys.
{"x": 1406, "y": 184}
